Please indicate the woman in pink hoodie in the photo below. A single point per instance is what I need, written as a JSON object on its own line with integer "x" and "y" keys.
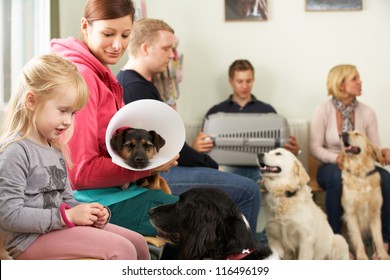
{"x": 105, "y": 30}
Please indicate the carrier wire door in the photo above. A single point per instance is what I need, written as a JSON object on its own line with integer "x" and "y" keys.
{"x": 238, "y": 137}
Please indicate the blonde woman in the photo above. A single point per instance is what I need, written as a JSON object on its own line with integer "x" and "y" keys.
{"x": 340, "y": 113}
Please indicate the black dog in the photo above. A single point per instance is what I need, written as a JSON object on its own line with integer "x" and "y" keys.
{"x": 206, "y": 224}
{"x": 137, "y": 146}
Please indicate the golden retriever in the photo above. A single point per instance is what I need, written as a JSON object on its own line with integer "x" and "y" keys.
{"x": 362, "y": 196}
{"x": 297, "y": 228}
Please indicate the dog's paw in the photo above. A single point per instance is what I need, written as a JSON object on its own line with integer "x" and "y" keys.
{"x": 383, "y": 256}
{"x": 125, "y": 186}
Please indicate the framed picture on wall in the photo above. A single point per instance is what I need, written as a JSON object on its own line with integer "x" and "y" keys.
{"x": 334, "y": 5}
{"x": 246, "y": 10}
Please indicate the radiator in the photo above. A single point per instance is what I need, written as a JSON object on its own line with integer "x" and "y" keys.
{"x": 298, "y": 127}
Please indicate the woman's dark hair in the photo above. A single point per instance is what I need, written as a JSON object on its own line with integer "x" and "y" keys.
{"x": 108, "y": 9}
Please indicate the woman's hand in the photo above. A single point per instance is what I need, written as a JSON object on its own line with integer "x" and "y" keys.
{"x": 202, "y": 143}
{"x": 165, "y": 167}
{"x": 386, "y": 155}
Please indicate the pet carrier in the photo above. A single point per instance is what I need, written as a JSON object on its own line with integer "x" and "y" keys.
{"x": 239, "y": 137}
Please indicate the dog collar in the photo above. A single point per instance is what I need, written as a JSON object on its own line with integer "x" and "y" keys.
{"x": 241, "y": 255}
{"x": 369, "y": 173}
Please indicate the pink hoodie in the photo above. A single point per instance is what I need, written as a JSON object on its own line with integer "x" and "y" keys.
{"x": 92, "y": 165}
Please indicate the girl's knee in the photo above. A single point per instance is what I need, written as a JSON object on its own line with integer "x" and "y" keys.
{"x": 140, "y": 244}
{"x": 122, "y": 249}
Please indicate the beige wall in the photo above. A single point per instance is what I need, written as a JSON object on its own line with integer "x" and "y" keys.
{"x": 292, "y": 52}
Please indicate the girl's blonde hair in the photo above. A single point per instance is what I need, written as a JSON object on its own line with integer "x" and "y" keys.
{"x": 47, "y": 76}
{"x": 337, "y": 75}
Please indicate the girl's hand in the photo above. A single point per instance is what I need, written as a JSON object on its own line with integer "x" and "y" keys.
{"x": 103, "y": 217}
{"x": 85, "y": 214}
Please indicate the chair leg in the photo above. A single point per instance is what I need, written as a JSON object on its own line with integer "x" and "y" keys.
{"x": 155, "y": 252}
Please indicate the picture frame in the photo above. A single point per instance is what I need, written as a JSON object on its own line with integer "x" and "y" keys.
{"x": 334, "y": 5}
{"x": 246, "y": 10}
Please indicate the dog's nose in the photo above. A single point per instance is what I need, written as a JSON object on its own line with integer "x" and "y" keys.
{"x": 139, "y": 159}
{"x": 260, "y": 156}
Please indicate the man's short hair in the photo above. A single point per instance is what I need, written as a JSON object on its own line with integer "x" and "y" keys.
{"x": 146, "y": 30}
{"x": 240, "y": 65}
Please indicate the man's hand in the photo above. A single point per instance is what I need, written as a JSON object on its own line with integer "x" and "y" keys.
{"x": 203, "y": 143}
{"x": 292, "y": 145}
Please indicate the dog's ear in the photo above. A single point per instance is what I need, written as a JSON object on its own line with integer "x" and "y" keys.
{"x": 341, "y": 157}
{"x": 340, "y": 160}
{"x": 376, "y": 153}
{"x": 157, "y": 140}
{"x": 200, "y": 234}
{"x": 117, "y": 141}
{"x": 300, "y": 173}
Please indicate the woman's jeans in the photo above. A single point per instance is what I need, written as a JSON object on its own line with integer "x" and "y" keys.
{"x": 329, "y": 178}
{"x": 243, "y": 191}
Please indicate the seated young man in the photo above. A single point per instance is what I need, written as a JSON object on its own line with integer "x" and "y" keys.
{"x": 241, "y": 79}
{"x": 150, "y": 50}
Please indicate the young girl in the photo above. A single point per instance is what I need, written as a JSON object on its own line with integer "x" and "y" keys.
{"x": 39, "y": 218}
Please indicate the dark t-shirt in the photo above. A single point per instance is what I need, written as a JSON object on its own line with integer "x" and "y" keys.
{"x": 253, "y": 106}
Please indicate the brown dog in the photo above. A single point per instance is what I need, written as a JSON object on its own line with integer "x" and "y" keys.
{"x": 362, "y": 197}
{"x": 137, "y": 147}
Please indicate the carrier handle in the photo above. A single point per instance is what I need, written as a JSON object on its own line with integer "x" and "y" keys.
{"x": 246, "y": 142}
